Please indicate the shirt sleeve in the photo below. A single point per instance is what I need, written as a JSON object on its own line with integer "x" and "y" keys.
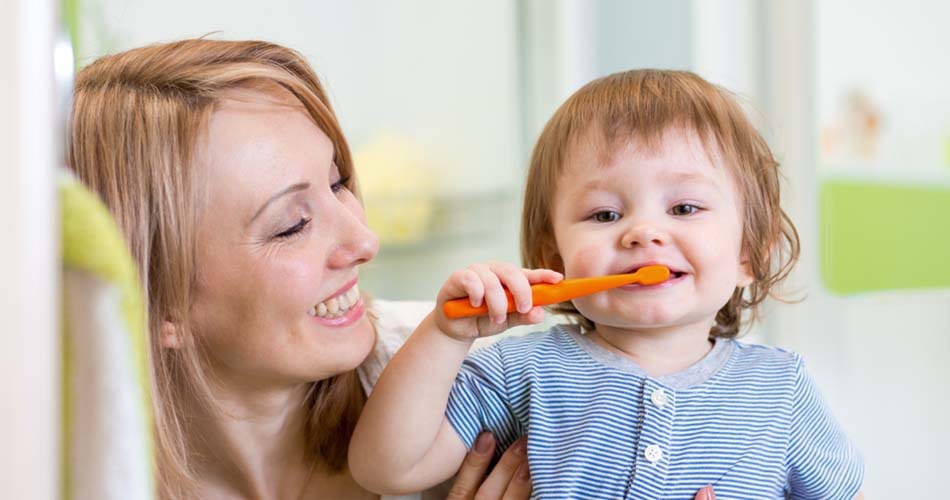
{"x": 393, "y": 321}
{"x": 822, "y": 462}
{"x": 479, "y": 400}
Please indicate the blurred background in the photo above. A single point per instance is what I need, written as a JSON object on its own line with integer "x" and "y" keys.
{"x": 441, "y": 102}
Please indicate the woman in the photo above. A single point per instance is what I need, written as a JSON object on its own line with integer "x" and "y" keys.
{"x": 228, "y": 173}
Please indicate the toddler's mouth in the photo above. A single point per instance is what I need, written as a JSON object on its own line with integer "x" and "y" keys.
{"x": 674, "y": 272}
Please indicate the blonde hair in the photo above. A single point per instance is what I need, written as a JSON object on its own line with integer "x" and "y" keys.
{"x": 644, "y": 105}
{"x": 136, "y": 123}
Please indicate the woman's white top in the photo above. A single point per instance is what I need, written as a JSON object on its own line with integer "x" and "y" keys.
{"x": 394, "y": 322}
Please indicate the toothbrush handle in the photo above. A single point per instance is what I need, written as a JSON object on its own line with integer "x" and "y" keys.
{"x": 541, "y": 295}
{"x": 462, "y": 308}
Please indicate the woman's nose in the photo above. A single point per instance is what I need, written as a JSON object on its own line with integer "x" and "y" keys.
{"x": 643, "y": 235}
{"x": 356, "y": 243}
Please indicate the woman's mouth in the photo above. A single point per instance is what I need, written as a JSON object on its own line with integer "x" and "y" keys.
{"x": 339, "y": 309}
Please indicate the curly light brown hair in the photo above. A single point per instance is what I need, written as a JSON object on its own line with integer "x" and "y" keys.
{"x": 643, "y": 105}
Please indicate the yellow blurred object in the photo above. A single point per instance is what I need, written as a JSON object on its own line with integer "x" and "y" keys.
{"x": 398, "y": 187}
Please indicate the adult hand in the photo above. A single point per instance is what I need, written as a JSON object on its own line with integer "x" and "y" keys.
{"x": 706, "y": 493}
{"x": 509, "y": 480}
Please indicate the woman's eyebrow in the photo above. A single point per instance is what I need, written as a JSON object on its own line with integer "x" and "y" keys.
{"x": 301, "y": 186}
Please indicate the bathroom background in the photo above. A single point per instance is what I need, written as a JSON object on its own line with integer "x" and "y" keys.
{"x": 442, "y": 102}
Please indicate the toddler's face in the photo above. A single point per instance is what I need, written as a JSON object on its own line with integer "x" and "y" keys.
{"x": 676, "y": 207}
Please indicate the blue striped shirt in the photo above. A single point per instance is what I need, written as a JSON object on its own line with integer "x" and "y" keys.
{"x": 746, "y": 419}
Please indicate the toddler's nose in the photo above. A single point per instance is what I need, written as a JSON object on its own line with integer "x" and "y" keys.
{"x": 643, "y": 235}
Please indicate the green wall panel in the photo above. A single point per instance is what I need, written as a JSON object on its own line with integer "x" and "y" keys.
{"x": 877, "y": 236}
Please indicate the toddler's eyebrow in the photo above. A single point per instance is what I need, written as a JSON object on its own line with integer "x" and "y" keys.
{"x": 682, "y": 177}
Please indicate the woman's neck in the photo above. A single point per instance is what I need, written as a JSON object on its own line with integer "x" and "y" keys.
{"x": 255, "y": 446}
{"x": 658, "y": 352}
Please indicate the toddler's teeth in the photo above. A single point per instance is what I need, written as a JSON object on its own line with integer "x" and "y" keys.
{"x": 312, "y": 312}
{"x": 322, "y": 310}
{"x": 333, "y": 305}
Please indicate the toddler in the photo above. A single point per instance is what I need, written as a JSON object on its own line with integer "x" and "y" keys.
{"x": 646, "y": 395}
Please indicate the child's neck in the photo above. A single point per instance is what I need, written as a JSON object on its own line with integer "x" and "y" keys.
{"x": 659, "y": 352}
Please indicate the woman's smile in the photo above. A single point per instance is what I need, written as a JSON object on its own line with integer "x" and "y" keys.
{"x": 342, "y": 309}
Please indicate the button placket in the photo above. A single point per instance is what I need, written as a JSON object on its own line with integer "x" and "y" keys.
{"x": 659, "y": 397}
{"x": 658, "y": 405}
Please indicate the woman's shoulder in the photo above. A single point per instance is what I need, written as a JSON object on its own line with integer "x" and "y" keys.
{"x": 393, "y": 321}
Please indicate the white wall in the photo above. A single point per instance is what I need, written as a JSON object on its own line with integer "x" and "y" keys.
{"x": 443, "y": 74}
{"x": 883, "y": 355}
{"x": 29, "y": 344}
{"x": 898, "y": 54}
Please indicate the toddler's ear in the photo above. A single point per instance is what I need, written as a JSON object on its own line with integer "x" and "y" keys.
{"x": 746, "y": 277}
{"x": 169, "y": 336}
{"x": 552, "y": 258}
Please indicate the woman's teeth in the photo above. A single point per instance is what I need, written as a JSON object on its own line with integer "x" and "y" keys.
{"x": 337, "y": 306}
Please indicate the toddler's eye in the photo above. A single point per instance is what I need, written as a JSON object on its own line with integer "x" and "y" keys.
{"x": 606, "y": 216}
{"x": 684, "y": 209}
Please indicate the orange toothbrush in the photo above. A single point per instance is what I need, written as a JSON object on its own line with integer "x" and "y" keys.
{"x": 543, "y": 294}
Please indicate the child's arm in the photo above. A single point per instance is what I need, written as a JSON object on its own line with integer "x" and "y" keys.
{"x": 403, "y": 442}
{"x": 822, "y": 462}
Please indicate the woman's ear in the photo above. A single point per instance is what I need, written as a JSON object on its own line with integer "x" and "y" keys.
{"x": 170, "y": 336}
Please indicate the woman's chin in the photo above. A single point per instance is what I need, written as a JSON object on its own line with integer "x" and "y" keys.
{"x": 346, "y": 347}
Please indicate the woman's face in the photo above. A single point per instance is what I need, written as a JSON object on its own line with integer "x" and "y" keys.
{"x": 279, "y": 243}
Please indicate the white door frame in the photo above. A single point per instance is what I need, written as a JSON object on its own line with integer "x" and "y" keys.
{"x": 30, "y": 351}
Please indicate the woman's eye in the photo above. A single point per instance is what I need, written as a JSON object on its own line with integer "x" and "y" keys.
{"x": 339, "y": 185}
{"x": 296, "y": 228}
{"x": 606, "y": 216}
{"x": 684, "y": 209}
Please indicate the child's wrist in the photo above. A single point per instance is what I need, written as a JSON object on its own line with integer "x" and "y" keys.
{"x": 441, "y": 327}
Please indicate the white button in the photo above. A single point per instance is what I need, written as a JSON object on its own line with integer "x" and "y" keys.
{"x": 653, "y": 453}
{"x": 659, "y": 398}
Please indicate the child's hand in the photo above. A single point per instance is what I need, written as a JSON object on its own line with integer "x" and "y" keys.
{"x": 486, "y": 283}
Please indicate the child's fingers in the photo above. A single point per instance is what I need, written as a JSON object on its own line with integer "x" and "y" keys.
{"x": 514, "y": 279}
{"x": 465, "y": 282}
{"x": 495, "y": 298}
{"x": 542, "y": 276}
{"x": 532, "y": 317}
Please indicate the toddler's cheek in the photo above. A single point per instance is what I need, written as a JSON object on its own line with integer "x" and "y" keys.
{"x": 587, "y": 261}
{"x": 590, "y": 306}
